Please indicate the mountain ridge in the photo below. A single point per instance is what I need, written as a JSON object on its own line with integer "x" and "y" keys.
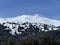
{"x": 31, "y": 18}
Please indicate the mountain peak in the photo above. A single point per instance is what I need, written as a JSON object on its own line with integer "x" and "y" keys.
{"x": 36, "y": 18}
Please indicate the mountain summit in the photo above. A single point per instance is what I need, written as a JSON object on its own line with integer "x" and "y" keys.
{"x": 31, "y": 18}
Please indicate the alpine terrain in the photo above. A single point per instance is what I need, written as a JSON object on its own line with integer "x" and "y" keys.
{"x": 29, "y": 30}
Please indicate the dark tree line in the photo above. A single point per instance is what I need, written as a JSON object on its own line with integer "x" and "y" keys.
{"x": 30, "y": 41}
{"x": 42, "y": 38}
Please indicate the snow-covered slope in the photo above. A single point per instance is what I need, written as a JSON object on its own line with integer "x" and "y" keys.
{"x": 34, "y": 20}
{"x": 31, "y": 18}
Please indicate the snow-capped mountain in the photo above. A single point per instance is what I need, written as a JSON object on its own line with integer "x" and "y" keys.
{"x": 31, "y": 18}
{"x": 29, "y": 22}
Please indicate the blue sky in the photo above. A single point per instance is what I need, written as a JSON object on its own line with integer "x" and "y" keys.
{"x": 46, "y": 8}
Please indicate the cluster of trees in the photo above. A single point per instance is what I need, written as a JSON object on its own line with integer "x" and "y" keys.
{"x": 28, "y": 37}
{"x": 41, "y": 39}
{"x": 32, "y": 28}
